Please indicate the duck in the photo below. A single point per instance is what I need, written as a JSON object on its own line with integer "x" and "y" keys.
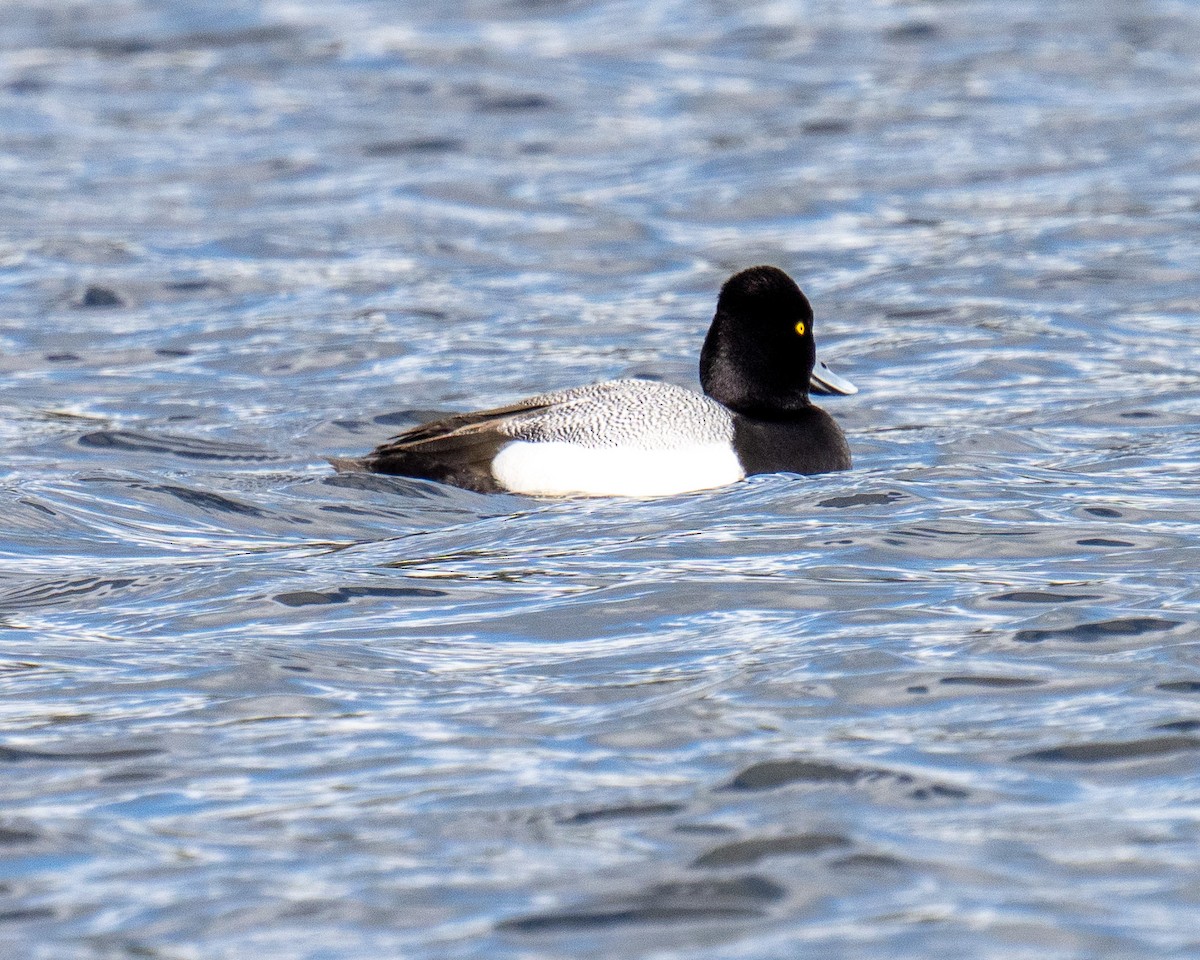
{"x": 647, "y": 438}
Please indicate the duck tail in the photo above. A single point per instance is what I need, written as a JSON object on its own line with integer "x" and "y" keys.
{"x": 348, "y": 464}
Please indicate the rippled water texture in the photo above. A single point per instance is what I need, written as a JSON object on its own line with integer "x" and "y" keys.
{"x": 947, "y": 704}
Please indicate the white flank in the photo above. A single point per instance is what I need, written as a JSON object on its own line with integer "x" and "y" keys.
{"x": 561, "y": 469}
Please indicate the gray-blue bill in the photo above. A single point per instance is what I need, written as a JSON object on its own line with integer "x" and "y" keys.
{"x": 825, "y": 381}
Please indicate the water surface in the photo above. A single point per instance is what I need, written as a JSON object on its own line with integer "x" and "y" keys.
{"x": 946, "y": 703}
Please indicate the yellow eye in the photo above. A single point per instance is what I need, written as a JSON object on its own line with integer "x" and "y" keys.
{"x": 800, "y": 327}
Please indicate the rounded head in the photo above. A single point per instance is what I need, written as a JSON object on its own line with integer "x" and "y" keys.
{"x": 759, "y": 354}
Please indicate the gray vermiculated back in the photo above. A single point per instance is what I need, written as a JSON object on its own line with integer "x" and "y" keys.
{"x": 616, "y": 413}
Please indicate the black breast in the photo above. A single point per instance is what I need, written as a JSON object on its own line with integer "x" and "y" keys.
{"x": 808, "y": 441}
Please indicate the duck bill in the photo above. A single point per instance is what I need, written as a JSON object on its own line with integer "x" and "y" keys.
{"x": 825, "y": 381}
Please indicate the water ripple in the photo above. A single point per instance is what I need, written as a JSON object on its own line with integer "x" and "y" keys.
{"x": 945, "y": 703}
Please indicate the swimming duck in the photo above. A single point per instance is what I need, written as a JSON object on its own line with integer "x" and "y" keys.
{"x": 646, "y": 438}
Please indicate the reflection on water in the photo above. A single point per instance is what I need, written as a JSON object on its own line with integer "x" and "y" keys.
{"x": 947, "y": 702}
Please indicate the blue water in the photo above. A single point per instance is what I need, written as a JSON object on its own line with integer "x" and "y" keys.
{"x": 945, "y": 704}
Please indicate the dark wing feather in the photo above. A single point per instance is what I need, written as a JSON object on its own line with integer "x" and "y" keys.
{"x": 448, "y": 426}
{"x": 458, "y": 449}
